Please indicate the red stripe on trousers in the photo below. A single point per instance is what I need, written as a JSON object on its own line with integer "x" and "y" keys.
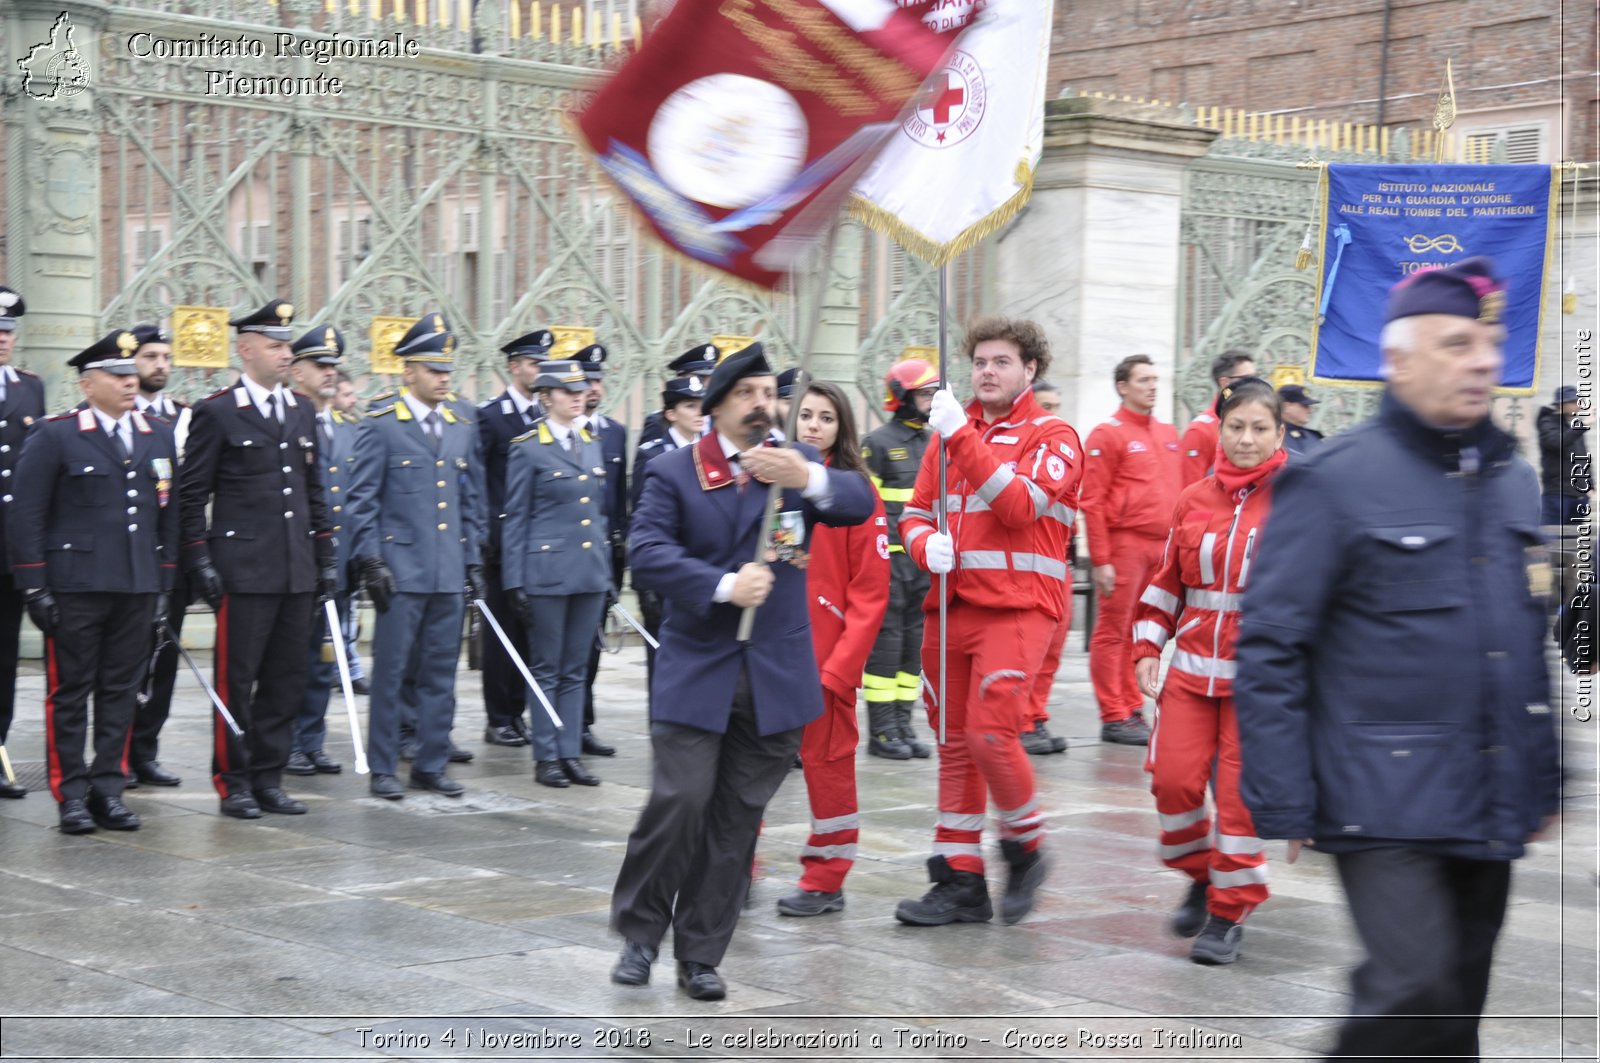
{"x": 219, "y": 730}
{"x": 51, "y": 754}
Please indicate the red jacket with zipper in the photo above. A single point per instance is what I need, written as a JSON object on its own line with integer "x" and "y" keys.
{"x": 1012, "y": 489}
{"x": 1131, "y": 478}
{"x": 1198, "y": 588}
{"x": 847, "y": 587}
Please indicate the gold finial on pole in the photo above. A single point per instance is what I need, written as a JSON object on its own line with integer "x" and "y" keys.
{"x": 1444, "y": 111}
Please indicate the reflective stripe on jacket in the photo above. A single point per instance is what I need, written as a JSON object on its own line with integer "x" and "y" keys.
{"x": 1012, "y": 491}
{"x": 1197, "y": 592}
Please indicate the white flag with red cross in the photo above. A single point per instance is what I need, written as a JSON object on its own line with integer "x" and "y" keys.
{"x": 962, "y": 163}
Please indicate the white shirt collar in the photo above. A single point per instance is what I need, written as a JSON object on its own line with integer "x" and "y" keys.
{"x": 8, "y": 375}
{"x": 678, "y": 439}
{"x": 112, "y": 426}
{"x": 160, "y": 404}
{"x": 560, "y": 431}
{"x": 522, "y": 404}
{"x": 419, "y": 409}
{"x": 258, "y": 395}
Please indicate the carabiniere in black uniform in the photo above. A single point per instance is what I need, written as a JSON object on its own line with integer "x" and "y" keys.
{"x": 261, "y": 560}
{"x": 21, "y": 404}
{"x": 94, "y": 541}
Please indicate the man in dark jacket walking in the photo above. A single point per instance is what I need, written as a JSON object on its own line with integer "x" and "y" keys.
{"x": 1392, "y": 695}
{"x": 1564, "y": 461}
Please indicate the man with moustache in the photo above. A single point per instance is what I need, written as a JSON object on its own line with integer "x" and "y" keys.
{"x": 94, "y": 540}
{"x": 21, "y": 404}
{"x": 726, "y": 715}
{"x": 153, "y": 361}
{"x": 258, "y": 547}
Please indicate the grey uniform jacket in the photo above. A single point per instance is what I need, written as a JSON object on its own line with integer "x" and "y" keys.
{"x": 553, "y": 539}
{"x": 418, "y": 507}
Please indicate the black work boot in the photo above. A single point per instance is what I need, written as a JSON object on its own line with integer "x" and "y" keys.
{"x": 1028, "y": 871}
{"x": 1191, "y": 914}
{"x": 902, "y": 714}
{"x": 1218, "y": 943}
{"x": 885, "y": 741}
{"x": 956, "y": 897}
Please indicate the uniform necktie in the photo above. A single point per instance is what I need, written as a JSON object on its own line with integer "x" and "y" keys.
{"x": 435, "y": 432}
{"x": 327, "y": 430}
{"x": 741, "y": 477}
{"x": 273, "y": 413}
{"x": 570, "y": 442}
{"x": 124, "y": 437}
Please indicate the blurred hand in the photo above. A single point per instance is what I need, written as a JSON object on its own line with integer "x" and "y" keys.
{"x": 751, "y": 585}
{"x": 1147, "y": 673}
{"x": 477, "y": 586}
{"x": 327, "y": 583}
{"x": 209, "y": 583}
{"x": 379, "y": 582}
{"x": 941, "y": 553}
{"x": 158, "y": 615}
{"x": 519, "y": 602}
{"x": 43, "y": 611}
{"x": 1105, "y": 580}
{"x": 1294, "y": 849}
{"x": 946, "y": 415}
{"x": 783, "y": 466}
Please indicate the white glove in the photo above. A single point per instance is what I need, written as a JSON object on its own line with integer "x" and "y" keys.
{"x": 946, "y": 416}
{"x": 941, "y": 553}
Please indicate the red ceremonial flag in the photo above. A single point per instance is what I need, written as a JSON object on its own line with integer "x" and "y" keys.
{"x": 740, "y": 125}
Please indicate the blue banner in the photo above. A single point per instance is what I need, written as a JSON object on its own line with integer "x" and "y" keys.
{"x": 1383, "y": 223}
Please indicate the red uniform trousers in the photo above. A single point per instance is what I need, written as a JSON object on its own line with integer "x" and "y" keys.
{"x": 992, "y": 656}
{"x": 1191, "y": 730}
{"x": 1040, "y": 710}
{"x": 1111, "y": 645}
{"x": 828, "y": 757}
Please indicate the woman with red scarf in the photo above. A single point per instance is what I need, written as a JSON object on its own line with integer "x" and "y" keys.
{"x": 847, "y": 581}
{"x": 1195, "y": 595}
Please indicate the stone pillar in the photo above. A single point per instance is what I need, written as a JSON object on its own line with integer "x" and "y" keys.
{"x": 52, "y": 153}
{"x": 1094, "y": 257}
{"x": 839, "y": 330}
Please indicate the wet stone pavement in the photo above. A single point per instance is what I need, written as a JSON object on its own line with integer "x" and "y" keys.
{"x": 476, "y": 928}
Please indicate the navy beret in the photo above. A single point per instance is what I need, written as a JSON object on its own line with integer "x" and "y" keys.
{"x": 1469, "y": 288}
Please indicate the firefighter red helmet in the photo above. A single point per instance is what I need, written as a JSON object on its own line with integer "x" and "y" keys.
{"x": 913, "y": 374}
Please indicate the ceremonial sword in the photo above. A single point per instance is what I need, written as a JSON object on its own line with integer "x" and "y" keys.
{"x": 616, "y": 607}
{"x": 516, "y": 659}
{"x": 336, "y": 632}
{"x": 211, "y": 691}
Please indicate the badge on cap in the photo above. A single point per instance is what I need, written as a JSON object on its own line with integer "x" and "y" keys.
{"x": 1490, "y": 306}
{"x": 285, "y": 312}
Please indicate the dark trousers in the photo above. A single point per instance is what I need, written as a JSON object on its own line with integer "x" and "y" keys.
{"x": 1429, "y": 925}
{"x": 100, "y": 647}
{"x": 322, "y": 677}
{"x": 11, "y": 609}
{"x": 689, "y": 856}
{"x": 559, "y": 639}
{"x": 261, "y": 677}
{"x": 504, "y": 691}
{"x": 151, "y": 715}
{"x": 417, "y": 644}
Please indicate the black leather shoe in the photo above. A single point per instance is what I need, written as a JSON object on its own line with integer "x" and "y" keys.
{"x": 241, "y": 806}
{"x": 593, "y": 747}
{"x": 151, "y": 773}
{"x": 386, "y": 786}
{"x": 111, "y": 813}
{"x": 12, "y": 789}
{"x": 130, "y": 781}
{"x": 300, "y": 764}
{"x": 550, "y": 773}
{"x": 519, "y": 724}
{"x": 272, "y": 799}
{"x": 578, "y": 773}
{"x": 360, "y": 686}
{"x": 457, "y": 755}
{"x": 408, "y": 747}
{"x": 75, "y": 818}
{"x": 504, "y": 735}
{"x": 325, "y": 764}
{"x": 633, "y": 966}
{"x": 437, "y": 781}
{"x": 701, "y": 981}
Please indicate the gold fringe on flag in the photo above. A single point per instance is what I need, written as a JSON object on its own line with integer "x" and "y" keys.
{"x": 931, "y": 251}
